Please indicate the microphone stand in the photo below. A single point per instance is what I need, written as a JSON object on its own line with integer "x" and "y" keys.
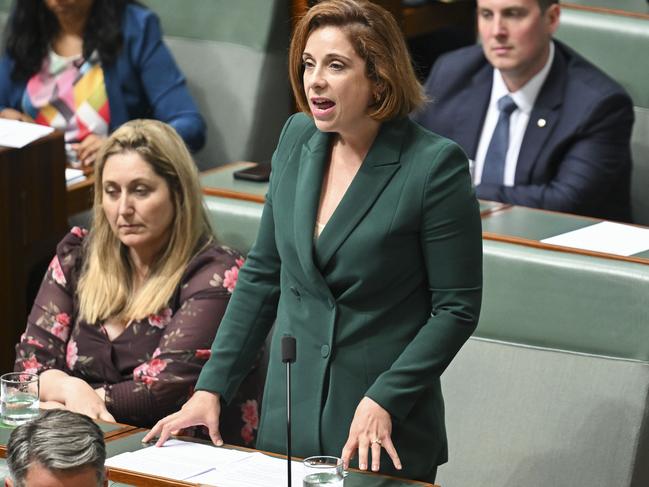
{"x": 288, "y": 357}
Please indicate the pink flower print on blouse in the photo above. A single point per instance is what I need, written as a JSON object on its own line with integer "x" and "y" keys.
{"x": 33, "y": 342}
{"x": 71, "y": 354}
{"x": 31, "y": 365}
{"x": 250, "y": 418}
{"x": 148, "y": 372}
{"x": 230, "y": 279}
{"x": 61, "y": 326}
{"x": 203, "y": 353}
{"x": 161, "y": 320}
{"x": 57, "y": 271}
{"x": 79, "y": 232}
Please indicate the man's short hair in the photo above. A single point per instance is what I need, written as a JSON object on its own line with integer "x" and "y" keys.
{"x": 58, "y": 440}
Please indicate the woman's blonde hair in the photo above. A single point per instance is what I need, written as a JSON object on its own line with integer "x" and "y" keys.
{"x": 377, "y": 39}
{"x": 106, "y": 284}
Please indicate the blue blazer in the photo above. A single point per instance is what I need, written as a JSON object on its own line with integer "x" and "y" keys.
{"x": 144, "y": 82}
{"x": 578, "y": 162}
{"x": 379, "y": 304}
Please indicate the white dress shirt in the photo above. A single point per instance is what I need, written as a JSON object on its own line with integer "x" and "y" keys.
{"x": 524, "y": 99}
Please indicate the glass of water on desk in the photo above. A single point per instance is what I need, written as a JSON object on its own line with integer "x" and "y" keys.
{"x": 18, "y": 398}
{"x": 323, "y": 471}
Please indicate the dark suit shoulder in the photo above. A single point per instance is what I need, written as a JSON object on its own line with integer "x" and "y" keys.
{"x": 453, "y": 70}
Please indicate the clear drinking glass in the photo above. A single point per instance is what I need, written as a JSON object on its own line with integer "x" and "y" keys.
{"x": 323, "y": 471}
{"x": 18, "y": 397}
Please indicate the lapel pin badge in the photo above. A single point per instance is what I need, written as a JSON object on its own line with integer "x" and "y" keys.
{"x": 541, "y": 122}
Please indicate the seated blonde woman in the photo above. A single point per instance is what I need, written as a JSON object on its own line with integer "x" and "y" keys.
{"x": 126, "y": 313}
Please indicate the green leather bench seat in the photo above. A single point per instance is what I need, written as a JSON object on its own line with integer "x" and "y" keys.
{"x": 234, "y": 55}
{"x": 619, "y": 44}
{"x": 234, "y": 222}
{"x": 565, "y": 301}
{"x": 521, "y": 416}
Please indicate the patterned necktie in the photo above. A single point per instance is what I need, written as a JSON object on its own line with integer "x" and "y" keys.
{"x": 493, "y": 171}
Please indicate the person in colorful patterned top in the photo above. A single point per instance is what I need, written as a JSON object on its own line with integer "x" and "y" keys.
{"x": 126, "y": 313}
{"x": 87, "y": 66}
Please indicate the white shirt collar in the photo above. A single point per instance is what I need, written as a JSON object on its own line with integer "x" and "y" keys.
{"x": 527, "y": 94}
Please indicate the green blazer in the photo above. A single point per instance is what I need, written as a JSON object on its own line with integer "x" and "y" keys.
{"x": 379, "y": 304}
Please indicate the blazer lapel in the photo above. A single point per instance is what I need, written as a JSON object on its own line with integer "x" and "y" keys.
{"x": 380, "y": 164}
{"x": 307, "y": 197}
{"x": 543, "y": 119}
{"x": 474, "y": 100}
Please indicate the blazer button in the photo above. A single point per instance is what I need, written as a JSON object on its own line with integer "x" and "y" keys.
{"x": 324, "y": 351}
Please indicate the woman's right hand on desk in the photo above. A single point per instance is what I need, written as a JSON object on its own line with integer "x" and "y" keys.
{"x": 203, "y": 408}
{"x": 74, "y": 393}
{"x": 11, "y": 114}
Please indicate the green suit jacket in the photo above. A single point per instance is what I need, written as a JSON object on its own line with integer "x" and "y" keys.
{"x": 379, "y": 304}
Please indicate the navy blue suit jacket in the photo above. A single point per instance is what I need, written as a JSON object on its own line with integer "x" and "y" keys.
{"x": 578, "y": 162}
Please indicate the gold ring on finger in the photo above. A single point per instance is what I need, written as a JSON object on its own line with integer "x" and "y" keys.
{"x": 376, "y": 441}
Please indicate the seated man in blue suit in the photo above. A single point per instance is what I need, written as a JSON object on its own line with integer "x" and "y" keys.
{"x": 543, "y": 127}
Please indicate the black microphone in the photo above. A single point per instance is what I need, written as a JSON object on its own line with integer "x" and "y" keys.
{"x": 288, "y": 357}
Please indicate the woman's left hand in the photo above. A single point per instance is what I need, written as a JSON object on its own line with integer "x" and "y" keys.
{"x": 88, "y": 148}
{"x": 371, "y": 429}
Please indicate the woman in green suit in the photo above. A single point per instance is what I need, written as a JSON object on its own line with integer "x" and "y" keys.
{"x": 369, "y": 253}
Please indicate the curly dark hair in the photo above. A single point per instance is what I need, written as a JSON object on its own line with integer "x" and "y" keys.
{"x": 32, "y": 27}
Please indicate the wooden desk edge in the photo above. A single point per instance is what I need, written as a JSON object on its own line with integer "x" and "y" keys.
{"x": 237, "y": 195}
{"x": 229, "y": 193}
{"x": 559, "y": 248}
{"x": 605, "y": 10}
{"x": 140, "y": 476}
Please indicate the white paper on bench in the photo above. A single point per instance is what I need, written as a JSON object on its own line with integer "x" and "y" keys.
{"x": 258, "y": 470}
{"x": 194, "y": 462}
{"x": 608, "y": 237}
{"x": 177, "y": 459}
{"x": 18, "y": 134}
{"x": 73, "y": 175}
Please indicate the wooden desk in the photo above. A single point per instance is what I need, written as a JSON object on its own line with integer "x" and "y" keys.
{"x": 132, "y": 441}
{"x": 528, "y": 226}
{"x": 79, "y": 195}
{"x": 32, "y": 221}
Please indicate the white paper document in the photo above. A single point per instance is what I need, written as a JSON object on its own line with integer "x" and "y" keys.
{"x": 18, "y": 134}
{"x": 608, "y": 237}
{"x": 73, "y": 175}
{"x": 205, "y": 464}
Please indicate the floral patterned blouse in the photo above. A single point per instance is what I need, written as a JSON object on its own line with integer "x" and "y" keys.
{"x": 149, "y": 370}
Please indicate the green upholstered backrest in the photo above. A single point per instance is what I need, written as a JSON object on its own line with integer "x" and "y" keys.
{"x": 521, "y": 416}
{"x": 234, "y": 55}
{"x": 619, "y": 44}
{"x": 235, "y": 222}
{"x": 565, "y": 301}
